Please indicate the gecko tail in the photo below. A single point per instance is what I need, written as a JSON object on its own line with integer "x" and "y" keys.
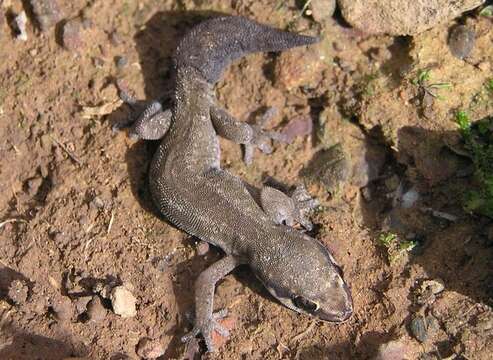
{"x": 213, "y": 44}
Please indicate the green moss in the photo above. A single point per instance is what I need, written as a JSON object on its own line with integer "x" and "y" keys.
{"x": 489, "y": 85}
{"x": 463, "y": 121}
{"x": 478, "y": 140}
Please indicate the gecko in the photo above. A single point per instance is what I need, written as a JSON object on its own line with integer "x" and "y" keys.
{"x": 192, "y": 191}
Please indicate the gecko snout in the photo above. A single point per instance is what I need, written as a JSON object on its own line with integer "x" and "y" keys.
{"x": 338, "y": 306}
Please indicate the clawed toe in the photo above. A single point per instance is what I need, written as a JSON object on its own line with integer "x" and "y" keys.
{"x": 221, "y": 314}
{"x": 304, "y": 204}
{"x": 261, "y": 138}
{"x": 207, "y": 328}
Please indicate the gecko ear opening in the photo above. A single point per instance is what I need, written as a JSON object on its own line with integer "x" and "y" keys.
{"x": 304, "y": 304}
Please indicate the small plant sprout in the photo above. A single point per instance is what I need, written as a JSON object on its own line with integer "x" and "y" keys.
{"x": 462, "y": 119}
{"x": 407, "y": 245}
{"x": 422, "y": 78}
{"x": 478, "y": 142}
{"x": 395, "y": 247}
{"x": 422, "y": 81}
{"x": 387, "y": 239}
{"x": 487, "y": 11}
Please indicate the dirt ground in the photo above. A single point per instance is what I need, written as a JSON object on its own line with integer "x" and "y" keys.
{"x": 76, "y": 218}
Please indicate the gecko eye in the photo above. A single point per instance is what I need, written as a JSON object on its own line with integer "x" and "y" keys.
{"x": 304, "y": 304}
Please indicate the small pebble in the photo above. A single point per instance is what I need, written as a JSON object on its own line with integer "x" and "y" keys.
{"x": 297, "y": 126}
{"x": 121, "y": 61}
{"x": 98, "y": 62}
{"x": 71, "y": 35}
{"x": 331, "y": 167}
{"x": 63, "y": 309}
{"x": 418, "y": 329}
{"x": 81, "y": 304}
{"x": 97, "y": 202}
{"x": 20, "y": 23}
{"x": 95, "y": 310}
{"x": 299, "y": 68}
{"x": 366, "y": 193}
{"x": 428, "y": 290}
{"x": 18, "y": 292}
{"x": 33, "y": 185}
{"x": 150, "y": 349}
{"x": 409, "y": 198}
{"x": 202, "y": 248}
{"x": 461, "y": 41}
{"x": 423, "y": 327}
{"x": 123, "y": 302}
{"x": 46, "y": 13}
{"x": 322, "y": 9}
{"x": 115, "y": 38}
{"x": 218, "y": 340}
{"x": 393, "y": 350}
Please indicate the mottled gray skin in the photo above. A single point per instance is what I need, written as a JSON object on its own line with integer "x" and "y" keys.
{"x": 195, "y": 194}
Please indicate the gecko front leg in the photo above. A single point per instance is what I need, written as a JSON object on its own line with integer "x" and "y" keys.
{"x": 284, "y": 209}
{"x": 148, "y": 123}
{"x": 205, "y": 319}
{"x": 250, "y": 136}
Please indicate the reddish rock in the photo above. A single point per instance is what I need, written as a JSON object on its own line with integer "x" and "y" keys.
{"x": 228, "y": 323}
{"x": 150, "y": 348}
{"x": 298, "y": 126}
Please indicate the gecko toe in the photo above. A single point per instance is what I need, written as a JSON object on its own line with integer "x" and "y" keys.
{"x": 221, "y": 314}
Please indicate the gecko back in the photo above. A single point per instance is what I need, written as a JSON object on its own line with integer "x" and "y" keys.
{"x": 213, "y": 44}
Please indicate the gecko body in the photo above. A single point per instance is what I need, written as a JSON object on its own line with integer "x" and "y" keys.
{"x": 193, "y": 192}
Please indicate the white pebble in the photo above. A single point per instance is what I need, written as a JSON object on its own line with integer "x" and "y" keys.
{"x": 123, "y": 302}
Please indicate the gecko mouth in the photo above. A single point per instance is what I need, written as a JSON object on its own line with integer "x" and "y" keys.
{"x": 336, "y": 316}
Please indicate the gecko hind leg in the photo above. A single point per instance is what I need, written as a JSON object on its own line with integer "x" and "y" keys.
{"x": 149, "y": 122}
{"x": 206, "y": 320}
{"x": 284, "y": 209}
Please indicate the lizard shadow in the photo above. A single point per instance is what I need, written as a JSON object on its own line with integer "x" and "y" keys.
{"x": 449, "y": 244}
{"x": 155, "y": 45}
{"x": 20, "y": 345}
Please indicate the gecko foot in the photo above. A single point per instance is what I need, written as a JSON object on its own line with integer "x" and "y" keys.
{"x": 206, "y": 327}
{"x": 134, "y": 105}
{"x": 261, "y": 138}
{"x": 289, "y": 210}
{"x": 147, "y": 121}
{"x": 304, "y": 204}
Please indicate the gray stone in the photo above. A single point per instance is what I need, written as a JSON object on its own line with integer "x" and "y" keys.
{"x": 402, "y": 17}
{"x": 95, "y": 309}
{"x": 461, "y": 41}
{"x": 322, "y": 9}
{"x": 46, "y": 13}
{"x": 331, "y": 167}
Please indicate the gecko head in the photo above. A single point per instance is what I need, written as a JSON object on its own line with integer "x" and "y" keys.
{"x": 304, "y": 277}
